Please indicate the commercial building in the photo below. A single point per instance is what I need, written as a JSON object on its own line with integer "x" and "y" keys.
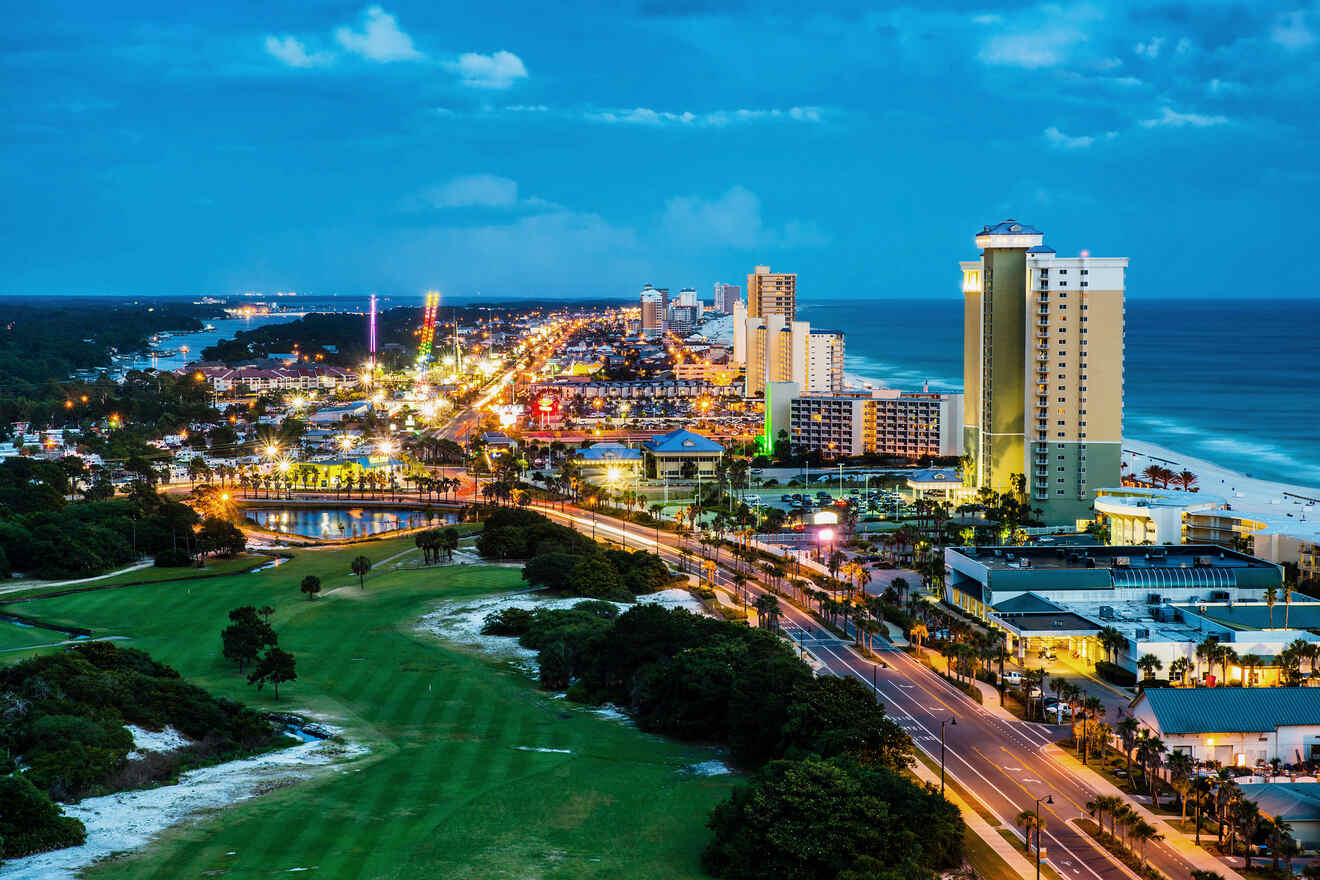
{"x": 255, "y": 380}
{"x": 1137, "y": 515}
{"x": 879, "y": 422}
{"x": 687, "y": 297}
{"x": 1238, "y": 727}
{"x": 681, "y": 454}
{"x": 771, "y": 293}
{"x": 725, "y": 296}
{"x": 1161, "y": 600}
{"x": 653, "y": 311}
{"x": 682, "y": 318}
{"x": 716, "y": 374}
{"x": 1043, "y": 369}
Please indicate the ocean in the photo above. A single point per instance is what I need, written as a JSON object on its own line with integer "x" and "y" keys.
{"x": 1234, "y": 382}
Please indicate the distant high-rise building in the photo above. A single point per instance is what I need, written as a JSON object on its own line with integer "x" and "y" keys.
{"x": 725, "y": 296}
{"x": 771, "y": 293}
{"x": 687, "y": 297}
{"x": 653, "y": 311}
{"x": 778, "y": 350}
{"x": 1043, "y": 370}
{"x": 824, "y": 360}
{"x": 681, "y": 318}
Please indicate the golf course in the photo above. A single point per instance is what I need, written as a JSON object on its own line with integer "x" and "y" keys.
{"x": 470, "y": 771}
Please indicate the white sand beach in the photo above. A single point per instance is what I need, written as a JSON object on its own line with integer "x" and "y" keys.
{"x": 1239, "y": 490}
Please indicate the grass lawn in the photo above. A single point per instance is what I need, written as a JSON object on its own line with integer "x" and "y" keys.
{"x": 14, "y": 637}
{"x": 149, "y": 574}
{"x": 449, "y": 789}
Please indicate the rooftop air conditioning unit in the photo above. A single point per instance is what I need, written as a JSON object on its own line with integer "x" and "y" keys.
{"x": 1122, "y": 561}
{"x": 1106, "y": 612}
{"x": 1203, "y": 561}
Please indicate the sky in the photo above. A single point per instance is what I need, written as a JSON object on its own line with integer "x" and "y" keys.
{"x": 562, "y": 149}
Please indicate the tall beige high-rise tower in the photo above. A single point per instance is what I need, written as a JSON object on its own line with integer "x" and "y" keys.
{"x": 771, "y": 293}
{"x": 1043, "y": 370}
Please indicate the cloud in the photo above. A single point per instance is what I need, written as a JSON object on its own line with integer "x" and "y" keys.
{"x": 710, "y": 119}
{"x": 1048, "y": 45}
{"x": 380, "y": 38}
{"x": 1150, "y": 48}
{"x": 473, "y": 190}
{"x": 496, "y": 71}
{"x": 292, "y": 52}
{"x": 1170, "y": 118}
{"x": 1292, "y": 31}
{"x": 731, "y": 220}
{"x": 1056, "y": 138}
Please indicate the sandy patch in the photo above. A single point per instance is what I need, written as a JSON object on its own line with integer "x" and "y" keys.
{"x": 709, "y": 768}
{"x": 166, "y": 740}
{"x": 128, "y": 820}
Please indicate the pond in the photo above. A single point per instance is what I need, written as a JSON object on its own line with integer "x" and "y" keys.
{"x": 353, "y": 522}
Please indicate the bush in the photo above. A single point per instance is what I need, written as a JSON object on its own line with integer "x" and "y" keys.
{"x": 31, "y": 823}
{"x": 1115, "y": 674}
{"x": 173, "y": 557}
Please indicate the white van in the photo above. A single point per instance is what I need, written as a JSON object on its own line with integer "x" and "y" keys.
{"x": 1013, "y": 677}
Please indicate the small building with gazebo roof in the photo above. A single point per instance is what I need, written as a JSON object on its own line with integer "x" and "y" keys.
{"x": 681, "y": 454}
{"x": 942, "y": 483}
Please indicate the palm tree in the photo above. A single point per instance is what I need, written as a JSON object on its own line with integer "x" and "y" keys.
{"x": 1178, "y": 669}
{"x": 1148, "y": 664}
{"x": 360, "y": 566}
{"x": 767, "y": 612}
{"x": 1201, "y": 787}
{"x": 1093, "y": 709}
{"x": 1279, "y": 838}
{"x": 1186, "y": 480}
{"x": 1180, "y": 766}
{"x": 1248, "y": 820}
{"x": 1029, "y": 822}
{"x": 1271, "y": 596}
{"x": 1287, "y": 603}
{"x": 918, "y": 633}
{"x": 1227, "y": 655}
{"x": 1110, "y": 639}
{"x": 1149, "y": 751}
{"x": 1250, "y": 662}
{"x": 1143, "y": 832}
{"x": 1127, "y": 730}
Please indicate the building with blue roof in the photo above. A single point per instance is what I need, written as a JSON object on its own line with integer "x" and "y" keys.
{"x": 1236, "y": 726}
{"x": 612, "y": 463}
{"x": 681, "y": 454}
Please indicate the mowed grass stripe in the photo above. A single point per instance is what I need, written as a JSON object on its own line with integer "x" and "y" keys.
{"x": 446, "y": 793}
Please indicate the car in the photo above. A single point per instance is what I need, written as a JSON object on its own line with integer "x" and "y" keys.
{"x": 1013, "y": 677}
{"x": 1059, "y": 710}
{"x": 786, "y": 499}
{"x": 1033, "y": 692}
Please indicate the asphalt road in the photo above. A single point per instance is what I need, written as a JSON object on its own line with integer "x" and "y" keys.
{"x": 1000, "y": 761}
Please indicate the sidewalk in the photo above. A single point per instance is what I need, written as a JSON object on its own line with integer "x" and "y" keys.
{"x": 1015, "y": 860}
{"x": 1181, "y": 843}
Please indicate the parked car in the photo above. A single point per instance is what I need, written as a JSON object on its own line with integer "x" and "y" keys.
{"x": 1013, "y": 677}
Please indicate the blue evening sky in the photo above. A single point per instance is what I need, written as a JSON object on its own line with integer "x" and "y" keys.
{"x": 566, "y": 148}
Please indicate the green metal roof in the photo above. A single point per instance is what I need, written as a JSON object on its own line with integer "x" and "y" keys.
{"x": 1027, "y": 603}
{"x": 1232, "y": 709}
{"x": 1289, "y": 801}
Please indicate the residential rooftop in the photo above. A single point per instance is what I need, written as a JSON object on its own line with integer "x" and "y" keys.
{"x": 1232, "y": 709}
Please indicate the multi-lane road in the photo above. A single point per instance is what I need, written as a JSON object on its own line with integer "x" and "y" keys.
{"x": 1001, "y": 762}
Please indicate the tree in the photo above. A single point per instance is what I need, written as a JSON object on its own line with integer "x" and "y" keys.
{"x": 1127, "y": 733}
{"x": 311, "y": 585}
{"x": 1030, "y": 825}
{"x": 1178, "y": 669}
{"x": 594, "y": 576}
{"x": 220, "y": 537}
{"x": 244, "y": 638}
{"x": 449, "y": 542}
{"x": 767, "y": 612}
{"x": 30, "y": 822}
{"x": 1149, "y": 664}
{"x": 275, "y": 666}
{"x": 360, "y": 566}
{"x": 1271, "y": 596}
{"x": 1143, "y": 832}
{"x": 825, "y": 819}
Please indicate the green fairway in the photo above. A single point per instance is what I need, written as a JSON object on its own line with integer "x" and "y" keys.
{"x": 453, "y": 786}
{"x": 16, "y": 637}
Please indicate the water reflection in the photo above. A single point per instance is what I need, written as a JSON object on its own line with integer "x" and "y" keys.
{"x": 353, "y": 522}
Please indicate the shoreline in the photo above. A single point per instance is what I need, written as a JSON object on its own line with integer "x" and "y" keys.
{"x": 1242, "y": 492}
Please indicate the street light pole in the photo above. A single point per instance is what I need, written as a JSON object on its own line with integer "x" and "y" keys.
{"x": 954, "y": 722}
{"x": 1049, "y": 799}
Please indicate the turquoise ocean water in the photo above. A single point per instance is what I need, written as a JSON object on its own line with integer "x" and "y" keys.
{"x": 1234, "y": 382}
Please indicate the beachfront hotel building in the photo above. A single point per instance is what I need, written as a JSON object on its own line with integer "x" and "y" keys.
{"x": 775, "y": 349}
{"x": 912, "y": 425}
{"x": 1043, "y": 370}
{"x": 771, "y": 293}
